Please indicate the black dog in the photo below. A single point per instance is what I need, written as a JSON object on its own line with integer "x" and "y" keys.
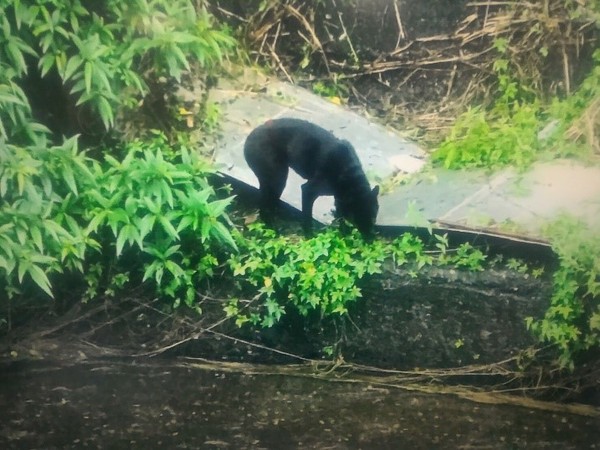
{"x": 329, "y": 164}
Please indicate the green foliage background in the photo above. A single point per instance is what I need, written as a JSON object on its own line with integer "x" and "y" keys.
{"x": 103, "y": 52}
{"x": 64, "y": 212}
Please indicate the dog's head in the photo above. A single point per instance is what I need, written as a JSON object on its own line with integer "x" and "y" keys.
{"x": 361, "y": 211}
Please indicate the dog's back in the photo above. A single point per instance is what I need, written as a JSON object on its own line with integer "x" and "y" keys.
{"x": 294, "y": 143}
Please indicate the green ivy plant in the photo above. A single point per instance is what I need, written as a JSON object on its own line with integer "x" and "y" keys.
{"x": 572, "y": 321}
{"x": 323, "y": 273}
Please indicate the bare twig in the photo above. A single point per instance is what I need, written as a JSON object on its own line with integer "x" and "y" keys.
{"x": 280, "y": 65}
{"x": 450, "y": 83}
{"x": 347, "y": 37}
{"x": 230, "y": 14}
{"x": 275, "y": 56}
{"x": 566, "y": 70}
{"x": 401, "y": 33}
{"x": 315, "y": 40}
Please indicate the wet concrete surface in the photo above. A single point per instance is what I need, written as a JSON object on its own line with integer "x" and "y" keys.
{"x": 169, "y": 404}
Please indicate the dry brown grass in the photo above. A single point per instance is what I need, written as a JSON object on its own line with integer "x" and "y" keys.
{"x": 586, "y": 129}
{"x": 423, "y": 81}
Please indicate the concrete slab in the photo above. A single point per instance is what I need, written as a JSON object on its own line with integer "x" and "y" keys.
{"x": 432, "y": 196}
{"x": 507, "y": 202}
{"x": 546, "y": 191}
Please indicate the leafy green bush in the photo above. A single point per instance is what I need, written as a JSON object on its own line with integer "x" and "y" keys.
{"x": 59, "y": 209}
{"x": 41, "y": 232}
{"x": 324, "y": 273}
{"x": 63, "y": 211}
{"x": 102, "y": 50}
{"x": 572, "y": 322}
{"x": 165, "y": 207}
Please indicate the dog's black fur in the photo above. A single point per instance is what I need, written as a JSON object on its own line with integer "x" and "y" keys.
{"x": 329, "y": 165}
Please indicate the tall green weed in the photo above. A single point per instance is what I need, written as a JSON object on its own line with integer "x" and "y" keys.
{"x": 61, "y": 211}
{"x": 509, "y": 133}
{"x": 572, "y": 321}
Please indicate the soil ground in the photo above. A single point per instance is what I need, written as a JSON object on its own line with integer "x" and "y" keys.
{"x": 189, "y": 404}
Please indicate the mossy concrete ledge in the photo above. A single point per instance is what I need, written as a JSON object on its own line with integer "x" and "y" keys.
{"x": 444, "y": 318}
{"x": 441, "y": 318}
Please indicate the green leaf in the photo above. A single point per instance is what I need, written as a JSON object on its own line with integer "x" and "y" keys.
{"x": 8, "y": 97}
{"x": 152, "y": 270}
{"x": 218, "y": 207}
{"x": 223, "y": 234}
{"x": 97, "y": 220}
{"x": 175, "y": 269}
{"x": 40, "y": 278}
{"x": 36, "y": 237}
{"x": 168, "y": 227}
{"x": 9, "y": 264}
{"x": 171, "y": 251}
{"x": 106, "y": 112}
{"x": 88, "y": 71}
{"x": 146, "y": 224}
{"x": 72, "y": 65}
{"x": 103, "y": 77}
{"x": 595, "y": 321}
{"x": 191, "y": 221}
{"x": 69, "y": 178}
{"x": 121, "y": 240}
{"x": 46, "y": 63}
{"x": 17, "y": 57}
{"x": 205, "y": 229}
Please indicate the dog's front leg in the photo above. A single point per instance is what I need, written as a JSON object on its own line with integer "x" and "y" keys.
{"x": 310, "y": 192}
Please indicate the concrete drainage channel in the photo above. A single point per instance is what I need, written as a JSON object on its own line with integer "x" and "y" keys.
{"x": 442, "y": 317}
{"x": 507, "y": 204}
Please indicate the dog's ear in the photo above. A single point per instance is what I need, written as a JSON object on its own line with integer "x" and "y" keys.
{"x": 375, "y": 191}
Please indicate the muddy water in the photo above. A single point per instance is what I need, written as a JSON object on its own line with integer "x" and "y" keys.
{"x": 170, "y": 405}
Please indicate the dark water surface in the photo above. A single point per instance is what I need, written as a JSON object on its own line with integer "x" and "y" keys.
{"x": 168, "y": 405}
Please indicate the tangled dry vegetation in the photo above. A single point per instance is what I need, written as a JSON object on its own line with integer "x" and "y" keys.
{"x": 586, "y": 129}
{"x": 416, "y": 63}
